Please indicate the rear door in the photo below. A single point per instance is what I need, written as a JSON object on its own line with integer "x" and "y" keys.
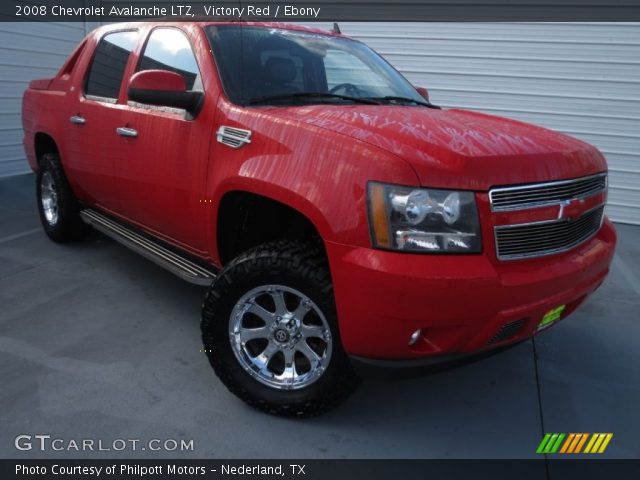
{"x": 93, "y": 117}
{"x": 161, "y": 173}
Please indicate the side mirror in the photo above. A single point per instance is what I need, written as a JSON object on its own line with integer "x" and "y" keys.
{"x": 164, "y": 88}
{"x": 424, "y": 93}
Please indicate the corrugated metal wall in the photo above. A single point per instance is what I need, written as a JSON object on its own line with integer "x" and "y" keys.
{"x": 27, "y": 51}
{"x": 581, "y": 79}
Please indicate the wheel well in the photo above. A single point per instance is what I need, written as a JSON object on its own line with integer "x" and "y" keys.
{"x": 44, "y": 144}
{"x": 246, "y": 220}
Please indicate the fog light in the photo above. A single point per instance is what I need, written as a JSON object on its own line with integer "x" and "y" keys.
{"x": 415, "y": 336}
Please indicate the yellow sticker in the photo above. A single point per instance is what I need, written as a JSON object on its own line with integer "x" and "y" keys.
{"x": 551, "y": 316}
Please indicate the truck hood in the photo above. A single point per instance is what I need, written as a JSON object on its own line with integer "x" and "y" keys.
{"x": 457, "y": 148}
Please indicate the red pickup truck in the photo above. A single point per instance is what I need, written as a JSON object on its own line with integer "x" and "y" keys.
{"x": 340, "y": 219}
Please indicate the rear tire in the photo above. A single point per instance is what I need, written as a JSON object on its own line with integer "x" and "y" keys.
{"x": 57, "y": 205}
{"x": 270, "y": 331}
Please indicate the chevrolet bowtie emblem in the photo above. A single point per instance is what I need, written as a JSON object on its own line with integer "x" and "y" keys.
{"x": 571, "y": 209}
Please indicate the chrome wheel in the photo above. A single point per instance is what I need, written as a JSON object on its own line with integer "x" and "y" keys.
{"x": 49, "y": 198}
{"x": 280, "y": 337}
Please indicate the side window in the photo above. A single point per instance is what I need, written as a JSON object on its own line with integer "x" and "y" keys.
{"x": 169, "y": 49}
{"x": 108, "y": 64}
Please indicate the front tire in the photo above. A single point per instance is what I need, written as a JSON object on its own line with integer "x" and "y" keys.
{"x": 270, "y": 331}
{"x": 57, "y": 205}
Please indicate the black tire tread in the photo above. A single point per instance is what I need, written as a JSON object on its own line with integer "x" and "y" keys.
{"x": 305, "y": 260}
{"x": 70, "y": 226}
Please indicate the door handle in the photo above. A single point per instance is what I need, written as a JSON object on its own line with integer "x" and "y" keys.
{"x": 77, "y": 120}
{"x": 127, "y": 132}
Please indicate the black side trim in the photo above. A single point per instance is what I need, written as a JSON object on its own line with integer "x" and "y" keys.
{"x": 191, "y": 101}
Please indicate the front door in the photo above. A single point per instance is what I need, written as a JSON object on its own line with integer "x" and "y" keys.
{"x": 162, "y": 171}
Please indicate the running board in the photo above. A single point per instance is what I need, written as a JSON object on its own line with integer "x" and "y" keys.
{"x": 177, "y": 264}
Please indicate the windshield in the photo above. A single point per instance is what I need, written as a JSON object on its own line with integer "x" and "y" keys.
{"x": 260, "y": 65}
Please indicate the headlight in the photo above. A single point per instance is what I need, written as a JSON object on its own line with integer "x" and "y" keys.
{"x": 423, "y": 220}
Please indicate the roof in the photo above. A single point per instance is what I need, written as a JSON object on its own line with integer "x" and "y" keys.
{"x": 223, "y": 21}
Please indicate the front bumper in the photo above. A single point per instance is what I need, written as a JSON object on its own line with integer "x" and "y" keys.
{"x": 394, "y": 369}
{"x": 461, "y": 303}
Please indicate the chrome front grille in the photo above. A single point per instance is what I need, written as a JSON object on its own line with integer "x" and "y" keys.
{"x": 546, "y": 238}
{"x": 527, "y": 240}
{"x": 550, "y": 193}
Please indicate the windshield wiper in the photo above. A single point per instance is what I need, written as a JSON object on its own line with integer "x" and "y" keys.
{"x": 396, "y": 99}
{"x": 304, "y": 95}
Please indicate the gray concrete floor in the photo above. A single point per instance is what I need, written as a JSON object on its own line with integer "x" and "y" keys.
{"x": 97, "y": 342}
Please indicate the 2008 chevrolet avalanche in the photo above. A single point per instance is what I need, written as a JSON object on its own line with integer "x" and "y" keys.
{"x": 338, "y": 217}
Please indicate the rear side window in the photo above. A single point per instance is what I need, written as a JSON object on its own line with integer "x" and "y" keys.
{"x": 108, "y": 65}
{"x": 169, "y": 49}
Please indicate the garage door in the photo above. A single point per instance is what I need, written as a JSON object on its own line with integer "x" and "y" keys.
{"x": 581, "y": 79}
{"x": 27, "y": 51}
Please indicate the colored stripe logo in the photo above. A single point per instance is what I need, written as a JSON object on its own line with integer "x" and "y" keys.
{"x": 574, "y": 443}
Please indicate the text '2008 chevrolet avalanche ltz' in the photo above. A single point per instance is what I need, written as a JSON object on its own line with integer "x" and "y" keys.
{"x": 340, "y": 220}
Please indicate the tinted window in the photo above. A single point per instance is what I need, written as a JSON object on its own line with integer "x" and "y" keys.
{"x": 258, "y": 63}
{"x": 169, "y": 49}
{"x": 109, "y": 62}
{"x": 344, "y": 67}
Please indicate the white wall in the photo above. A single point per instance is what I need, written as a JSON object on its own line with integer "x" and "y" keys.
{"x": 27, "y": 51}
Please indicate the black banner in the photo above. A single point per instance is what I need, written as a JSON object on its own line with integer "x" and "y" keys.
{"x": 323, "y": 10}
{"x": 321, "y": 469}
